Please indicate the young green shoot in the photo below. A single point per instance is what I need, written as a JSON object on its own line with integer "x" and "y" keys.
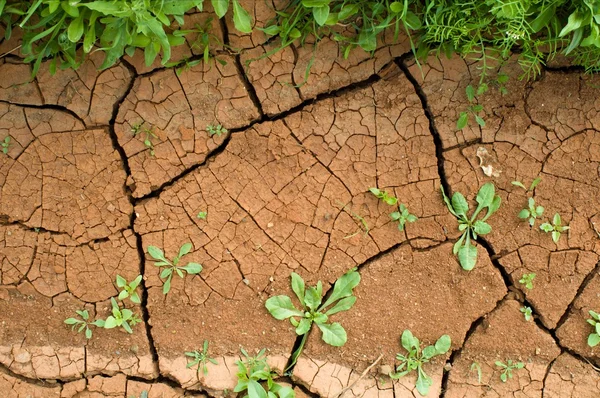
{"x": 475, "y": 367}
{"x": 531, "y": 187}
{"x": 313, "y": 310}
{"x": 402, "y": 216}
{"x": 83, "y": 323}
{"x": 119, "y": 318}
{"x": 532, "y": 212}
{"x": 200, "y": 359}
{"x": 416, "y": 358}
{"x": 383, "y": 195}
{"x": 129, "y": 289}
{"x": 147, "y": 135}
{"x": 527, "y": 313}
{"x": 5, "y": 144}
{"x": 173, "y": 266}
{"x": 473, "y": 109}
{"x": 527, "y": 280}
{"x": 254, "y": 374}
{"x": 556, "y": 227}
{"x": 507, "y": 369}
{"x": 217, "y": 130}
{"x": 471, "y": 227}
{"x": 594, "y": 337}
{"x": 202, "y": 215}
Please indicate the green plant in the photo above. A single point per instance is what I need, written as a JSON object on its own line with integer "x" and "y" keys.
{"x": 594, "y": 337}
{"x": 5, "y": 143}
{"x": 474, "y": 109}
{"x": 202, "y": 215}
{"x": 402, "y": 216}
{"x": 83, "y": 323}
{"x": 507, "y": 369}
{"x": 241, "y": 18}
{"x": 534, "y": 184}
{"x": 119, "y": 318}
{"x": 129, "y": 289}
{"x": 475, "y": 367}
{"x": 471, "y": 227}
{"x": 314, "y": 311}
{"x": 383, "y": 195}
{"x": 556, "y": 227}
{"x": 173, "y": 266}
{"x": 526, "y": 312}
{"x": 415, "y": 358}
{"x": 200, "y": 358}
{"x": 527, "y": 280}
{"x": 143, "y": 394}
{"x": 532, "y": 212}
{"x": 253, "y": 372}
{"x": 139, "y": 129}
{"x": 217, "y": 130}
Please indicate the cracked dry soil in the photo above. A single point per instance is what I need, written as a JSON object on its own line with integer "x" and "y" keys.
{"x": 82, "y": 198}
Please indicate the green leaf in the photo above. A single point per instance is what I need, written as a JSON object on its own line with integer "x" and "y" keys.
{"x": 110, "y": 323}
{"x": 575, "y": 21}
{"x": 442, "y": 345}
{"x": 136, "y": 282}
{"x": 333, "y": 334}
{"x": 480, "y": 121}
{"x": 367, "y": 40}
{"x": 281, "y": 307}
{"x": 485, "y": 196}
{"x": 396, "y": 7}
{"x": 429, "y": 352}
{"x": 481, "y": 227}
{"x": 467, "y": 256}
{"x": 166, "y": 272}
{"x": 459, "y": 204}
{"x": 423, "y": 383}
{"x": 72, "y": 321}
{"x": 75, "y": 30}
{"x": 255, "y": 390}
{"x": 462, "y": 121}
{"x": 88, "y": 333}
{"x": 470, "y": 91}
{"x": 167, "y": 285}
{"x": 535, "y": 183}
{"x": 121, "y": 282}
{"x": 192, "y": 268}
{"x": 447, "y": 201}
{"x": 556, "y": 219}
{"x": 347, "y": 11}
{"x": 156, "y": 253}
{"x": 220, "y": 7}
{"x": 343, "y": 287}
{"x": 546, "y": 227}
{"x": 303, "y": 326}
{"x": 105, "y": 7}
{"x": 524, "y": 214}
{"x": 321, "y": 14}
{"x": 412, "y": 21}
{"x": 315, "y": 3}
{"x": 123, "y": 295}
{"x": 241, "y": 19}
{"x": 519, "y": 184}
{"x": 298, "y": 286}
{"x": 555, "y": 236}
{"x": 343, "y": 305}
{"x": 408, "y": 340}
{"x": 184, "y": 249}
{"x": 320, "y": 318}
{"x": 312, "y": 297}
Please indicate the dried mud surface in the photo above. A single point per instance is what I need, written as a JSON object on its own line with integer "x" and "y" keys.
{"x": 82, "y": 196}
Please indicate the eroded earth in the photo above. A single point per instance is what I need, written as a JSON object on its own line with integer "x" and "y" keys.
{"x": 103, "y": 164}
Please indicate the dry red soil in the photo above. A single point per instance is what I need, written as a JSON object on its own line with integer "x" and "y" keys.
{"x": 82, "y": 198}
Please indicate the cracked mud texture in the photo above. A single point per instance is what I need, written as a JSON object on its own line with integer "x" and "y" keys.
{"x": 82, "y": 198}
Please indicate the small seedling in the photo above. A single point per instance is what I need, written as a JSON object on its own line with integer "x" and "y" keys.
{"x": 475, "y": 367}
{"x": 415, "y": 359}
{"x": 527, "y": 313}
{"x": 527, "y": 280}
{"x": 532, "y": 212}
{"x": 507, "y": 369}
{"x": 556, "y": 227}
{"x": 129, "y": 289}
{"x": 594, "y": 337}
{"x": 383, "y": 195}
{"x": 312, "y": 310}
{"x": 147, "y": 135}
{"x": 5, "y": 143}
{"x": 172, "y": 266}
{"x": 363, "y": 223}
{"x": 501, "y": 81}
{"x": 143, "y": 394}
{"x": 471, "y": 228}
{"x": 402, "y": 216}
{"x": 200, "y": 359}
{"x": 202, "y": 215}
{"x": 473, "y": 109}
{"x": 217, "y": 130}
{"x": 83, "y": 323}
{"x": 119, "y": 318}
{"x": 253, "y": 372}
{"x": 531, "y": 187}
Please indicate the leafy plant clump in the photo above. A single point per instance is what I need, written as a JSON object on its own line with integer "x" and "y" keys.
{"x": 5, "y": 144}
{"x": 402, "y": 216}
{"x": 594, "y": 337}
{"x": 173, "y": 266}
{"x": 200, "y": 359}
{"x": 123, "y": 318}
{"x": 556, "y": 228}
{"x": 313, "y": 310}
{"x": 527, "y": 280}
{"x": 527, "y": 313}
{"x": 534, "y": 184}
{"x": 416, "y": 358}
{"x": 147, "y": 135}
{"x": 83, "y": 323}
{"x": 471, "y": 227}
{"x": 383, "y": 195}
{"x": 129, "y": 289}
{"x": 507, "y": 369}
{"x": 532, "y": 212}
{"x": 254, "y": 373}
{"x": 474, "y": 108}
{"x": 217, "y": 130}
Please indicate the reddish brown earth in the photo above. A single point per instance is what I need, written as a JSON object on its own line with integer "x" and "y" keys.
{"x": 82, "y": 198}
